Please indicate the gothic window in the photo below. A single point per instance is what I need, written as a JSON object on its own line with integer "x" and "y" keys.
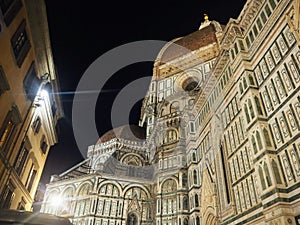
{"x": 194, "y": 156}
{"x": 241, "y": 88}
{"x": 185, "y": 203}
{"x": 195, "y": 175}
{"x": 276, "y": 172}
{"x": 184, "y": 180}
{"x": 245, "y": 83}
{"x": 267, "y": 137}
{"x": 268, "y": 178}
{"x": 254, "y": 144}
{"x": 260, "y": 146}
{"x": 262, "y": 179}
{"x": 251, "y": 80}
{"x": 247, "y": 113}
{"x": 251, "y": 108}
{"x": 258, "y": 105}
{"x": 196, "y": 201}
{"x": 132, "y": 219}
{"x": 185, "y": 222}
{"x": 197, "y": 220}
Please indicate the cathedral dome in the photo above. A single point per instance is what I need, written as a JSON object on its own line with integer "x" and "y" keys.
{"x": 128, "y": 132}
{"x": 205, "y": 36}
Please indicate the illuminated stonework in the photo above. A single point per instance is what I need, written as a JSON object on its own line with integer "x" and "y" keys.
{"x": 222, "y": 133}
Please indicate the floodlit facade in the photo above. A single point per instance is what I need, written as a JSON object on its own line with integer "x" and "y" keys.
{"x": 222, "y": 120}
{"x": 29, "y": 112}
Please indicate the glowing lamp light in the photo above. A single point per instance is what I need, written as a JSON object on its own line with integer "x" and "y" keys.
{"x": 56, "y": 200}
{"x": 44, "y": 93}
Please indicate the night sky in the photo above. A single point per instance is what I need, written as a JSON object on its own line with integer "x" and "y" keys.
{"x": 81, "y": 31}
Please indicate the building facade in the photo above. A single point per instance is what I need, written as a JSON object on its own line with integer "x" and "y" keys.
{"x": 222, "y": 145}
{"x": 29, "y": 112}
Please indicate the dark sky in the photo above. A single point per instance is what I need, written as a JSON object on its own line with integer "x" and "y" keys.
{"x": 81, "y": 31}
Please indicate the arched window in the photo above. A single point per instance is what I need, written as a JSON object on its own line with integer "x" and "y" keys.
{"x": 258, "y": 106}
{"x": 260, "y": 146}
{"x": 196, "y": 201}
{"x": 254, "y": 144}
{"x": 185, "y": 203}
{"x": 185, "y": 222}
{"x": 276, "y": 172}
{"x": 194, "y": 156}
{"x": 197, "y": 220}
{"x": 267, "y": 137}
{"x": 195, "y": 177}
{"x": 268, "y": 178}
{"x": 251, "y": 80}
{"x": 132, "y": 219}
{"x": 247, "y": 113}
{"x": 251, "y": 108}
{"x": 262, "y": 179}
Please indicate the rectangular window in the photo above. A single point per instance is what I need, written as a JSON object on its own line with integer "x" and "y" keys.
{"x": 241, "y": 44}
{"x": 4, "y": 85}
{"x": 22, "y": 156}
{"x": 259, "y": 24}
{"x": 8, "y": 129}
{"x": 272, "y": 3}
{"x": 255, "y": 30}
{"x": 20, "y": 43}
{"x": 268, "y": 10}
{"x": 31, "y": 178}
{"x": 44, "y": 145}
{"x": 31, "y": 83}
{"x": 251, "y": 36}
{"x": 247, "y": 42}
{"x": 9, "y": 9}
{"x": 263, "y": 17}
{"x": 7, "y": 196}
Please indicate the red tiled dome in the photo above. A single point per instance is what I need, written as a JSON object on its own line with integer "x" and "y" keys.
{"x": 191, "y": 42}
{"x": 128, "y": 132}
